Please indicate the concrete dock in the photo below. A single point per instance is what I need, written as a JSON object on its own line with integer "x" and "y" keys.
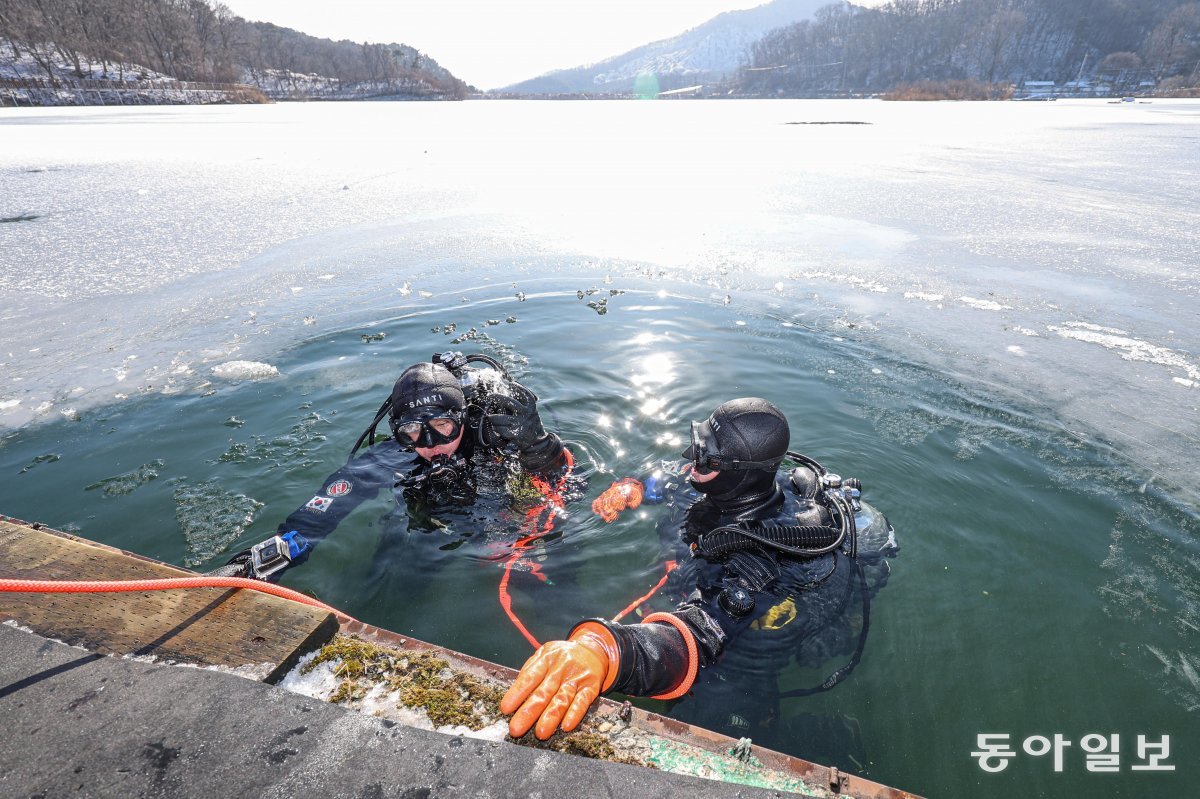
{"x": 170, "y": 693}
{"x": 82, "y": 724}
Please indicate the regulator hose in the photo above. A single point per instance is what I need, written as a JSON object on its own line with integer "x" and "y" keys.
{"x": 368, "y": 435}
{"x": 807, "y": 541}
{"x": 490, "y": 361}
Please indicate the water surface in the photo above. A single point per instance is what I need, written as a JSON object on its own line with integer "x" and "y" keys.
{"x": 987, "y": 312}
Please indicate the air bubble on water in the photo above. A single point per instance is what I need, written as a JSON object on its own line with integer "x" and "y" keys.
{"x": 127, "y": 483}
{"x": 211, "y": 518}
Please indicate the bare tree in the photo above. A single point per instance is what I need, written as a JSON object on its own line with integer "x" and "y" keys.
{"x": 1173, "y": 41}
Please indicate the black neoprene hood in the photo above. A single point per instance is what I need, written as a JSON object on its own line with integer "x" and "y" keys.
{"x": 426, "y": 385}
{"x": 745, "y": 429}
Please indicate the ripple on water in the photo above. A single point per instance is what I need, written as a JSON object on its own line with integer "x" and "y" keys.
{"x": 1152, "y": 562}
{"x": 211, "y": 518}
{"x": 291, "y": 450}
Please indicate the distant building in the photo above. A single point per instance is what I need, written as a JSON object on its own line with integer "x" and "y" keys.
{"x": 1079, "y": 88}
{"x": 1036, "y": 89}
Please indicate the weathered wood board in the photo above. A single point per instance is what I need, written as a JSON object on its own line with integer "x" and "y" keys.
{"x": 255, "y": 633}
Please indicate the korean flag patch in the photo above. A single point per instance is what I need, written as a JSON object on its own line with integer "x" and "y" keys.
{"x": 319, "y": 504}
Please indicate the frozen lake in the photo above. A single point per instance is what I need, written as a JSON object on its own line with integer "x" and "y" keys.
{"x": 988, "y": 311}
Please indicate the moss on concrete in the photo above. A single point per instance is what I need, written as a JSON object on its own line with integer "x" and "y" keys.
{"x": 453, "y": 698}
{"x": 421, "y": 679}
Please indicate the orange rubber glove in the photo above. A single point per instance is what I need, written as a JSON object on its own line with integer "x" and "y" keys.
{"x": 626, "y": 493}
{"x": 560, "y": 682}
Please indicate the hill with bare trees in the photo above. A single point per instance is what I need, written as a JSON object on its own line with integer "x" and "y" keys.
{"x": 204, "y": 41}
{"x": 1061, "y": 46}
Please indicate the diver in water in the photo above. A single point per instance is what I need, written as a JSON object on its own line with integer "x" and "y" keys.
{"x": 449, "y": 420}
{"x": 773, "y": 561}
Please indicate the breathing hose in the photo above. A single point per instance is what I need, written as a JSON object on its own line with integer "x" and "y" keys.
{"x": 801, "y": 541}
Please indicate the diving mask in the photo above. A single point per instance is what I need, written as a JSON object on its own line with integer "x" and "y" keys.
{"x": 427, "y": 427}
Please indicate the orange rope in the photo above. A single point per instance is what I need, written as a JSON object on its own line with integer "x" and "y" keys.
{"x": 518, "y": 552}
{"x": 553, "y": 502}
{"x": 662, "y": 581}
{"x": 110, "y": 586}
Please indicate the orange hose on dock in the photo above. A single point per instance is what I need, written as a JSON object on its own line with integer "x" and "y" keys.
{"x": 166, "y": 584}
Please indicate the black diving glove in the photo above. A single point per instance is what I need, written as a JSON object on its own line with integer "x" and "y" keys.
{"x": 237, "y": 566}
{"x": 518, "y": 421}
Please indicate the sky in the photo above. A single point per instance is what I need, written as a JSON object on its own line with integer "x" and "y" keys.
{"x": 494, "y": 43}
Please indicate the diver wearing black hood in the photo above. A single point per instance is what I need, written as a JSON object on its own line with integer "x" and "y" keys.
{"x": 744, "y": 441}
{"x": 756, "y": 546}
{"x": 455, "y": 419}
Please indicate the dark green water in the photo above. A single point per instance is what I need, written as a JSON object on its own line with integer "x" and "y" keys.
{"x": 1042, "y": 586}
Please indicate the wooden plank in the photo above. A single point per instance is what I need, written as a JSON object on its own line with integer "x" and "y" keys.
{"x": 258, "y": 634}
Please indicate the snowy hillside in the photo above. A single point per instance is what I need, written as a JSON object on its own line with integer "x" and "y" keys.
{"x": 704, "y": 53}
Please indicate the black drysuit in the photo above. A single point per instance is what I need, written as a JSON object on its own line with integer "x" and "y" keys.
{"x": 386, "y": 465}
{"x": 802, "y": 608}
